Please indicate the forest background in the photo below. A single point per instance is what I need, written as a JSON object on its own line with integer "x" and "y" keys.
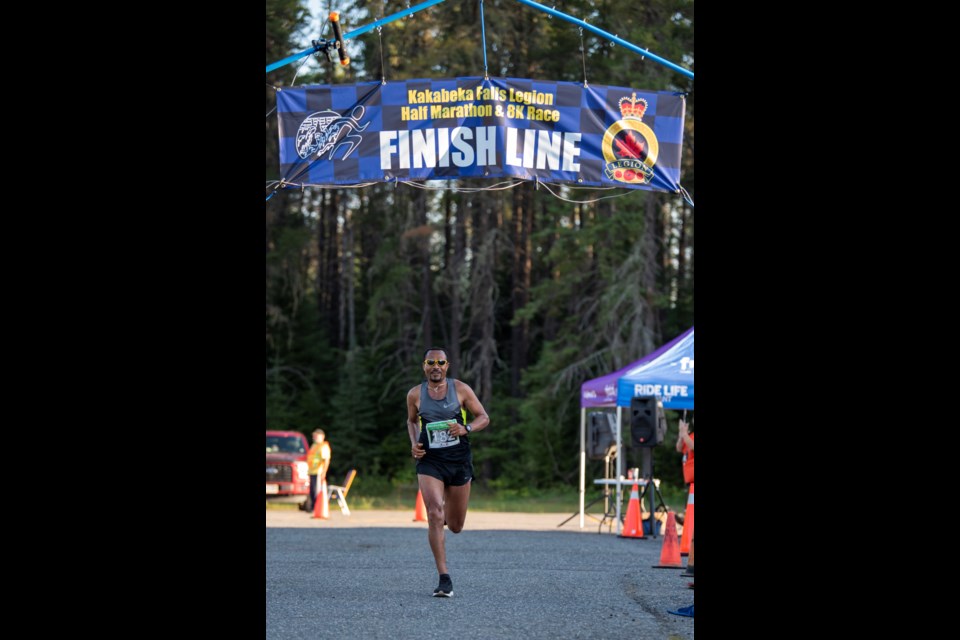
{"x": 529, "y": 294}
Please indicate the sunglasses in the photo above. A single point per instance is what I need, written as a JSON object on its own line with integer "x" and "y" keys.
{"x": 430, "y": 363}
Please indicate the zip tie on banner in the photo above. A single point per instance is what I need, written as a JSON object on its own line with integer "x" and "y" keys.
{"x": 383, "y": 69}
{"x": 686, "y": 196}
{"x": 583, "y": 57}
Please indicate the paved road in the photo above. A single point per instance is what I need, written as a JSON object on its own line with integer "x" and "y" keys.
{"x": 370, "y": 576}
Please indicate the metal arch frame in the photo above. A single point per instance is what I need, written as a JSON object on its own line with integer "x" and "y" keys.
{"x": 429, "y": 3}
{"x": 609, "y": 36}
{"x": 353, "y": 34}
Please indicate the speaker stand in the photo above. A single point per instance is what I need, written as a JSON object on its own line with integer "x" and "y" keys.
{"x": 655, "y": 495}
{"x": 605, "y": 496}
{"x": 587, "y": 506}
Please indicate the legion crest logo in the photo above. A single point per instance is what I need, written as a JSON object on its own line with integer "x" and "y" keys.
{"x": 328, "y": 131}
{"x": 629, "y": 146}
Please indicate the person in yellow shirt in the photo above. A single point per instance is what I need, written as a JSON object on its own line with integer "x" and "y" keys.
{"x": 318, "y": 461}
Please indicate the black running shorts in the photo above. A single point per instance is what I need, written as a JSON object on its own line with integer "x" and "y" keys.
{"x": 452, "y": 474}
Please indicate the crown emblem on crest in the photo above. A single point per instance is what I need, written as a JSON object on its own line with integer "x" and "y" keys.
{"x": 633, "y": 108}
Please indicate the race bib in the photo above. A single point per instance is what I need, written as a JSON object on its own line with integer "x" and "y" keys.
{"x": 438, "y": 434}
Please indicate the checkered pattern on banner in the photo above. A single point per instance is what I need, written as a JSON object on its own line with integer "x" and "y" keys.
{"x": 435, "y": 129}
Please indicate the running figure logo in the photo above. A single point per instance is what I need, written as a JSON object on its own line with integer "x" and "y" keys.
{"x": 328, "y": 131}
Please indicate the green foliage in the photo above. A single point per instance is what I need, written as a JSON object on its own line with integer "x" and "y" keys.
{"x": 299, "y": 368}
{"x": 354, "y": 432}
{"x": 535, "y": 295}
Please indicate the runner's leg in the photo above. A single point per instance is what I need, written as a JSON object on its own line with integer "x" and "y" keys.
{"x": 432, "y": 490}
{"x": 455, "y": 509}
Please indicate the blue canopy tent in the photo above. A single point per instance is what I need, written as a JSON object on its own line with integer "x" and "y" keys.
{"x": 669, "y": 377}
{"x": 602, "y": 391}
{"x": 666, "y": 373}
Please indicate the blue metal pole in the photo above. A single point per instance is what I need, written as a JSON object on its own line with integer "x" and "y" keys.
{"x": 483, "y": 32}
{"x": 396, "y": 16}
{"x": 608, "y": 36}
{"x": 354, "y": 34}
{"x": 289, "y": 59}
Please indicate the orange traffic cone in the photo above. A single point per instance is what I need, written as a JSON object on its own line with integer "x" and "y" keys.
{"x": 321, "y": 503}
{"x": 326, "y": 499}
{"x": 687, "y": 525}
{"x": 670, "y": 551}
{"x": 420, "y": 513}
{"x": 632, "y": 527}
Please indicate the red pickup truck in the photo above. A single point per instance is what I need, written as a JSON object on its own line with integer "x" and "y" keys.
{"x": 287, "y": 464}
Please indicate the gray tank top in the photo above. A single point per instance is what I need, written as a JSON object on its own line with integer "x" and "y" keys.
{"x": 436, "y": 440}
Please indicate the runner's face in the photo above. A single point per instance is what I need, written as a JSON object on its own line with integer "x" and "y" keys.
{"x": 435, "y": 373}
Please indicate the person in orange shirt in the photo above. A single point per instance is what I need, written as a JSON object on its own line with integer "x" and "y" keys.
{"x": 685, "y": 446}
{"x": 318, "y": 459}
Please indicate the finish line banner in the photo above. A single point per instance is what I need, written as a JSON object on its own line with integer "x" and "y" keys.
{"x": 480, "y": 128}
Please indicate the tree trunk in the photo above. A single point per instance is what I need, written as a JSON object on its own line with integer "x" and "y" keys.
{"x": 651, "y": 239}
{"x": 348, "y": 269}
{"x": 520, "y": 279}
{"x": 457, "y": 246}
{"x": 426, "y": 294}
{"x": 328, "y": 279}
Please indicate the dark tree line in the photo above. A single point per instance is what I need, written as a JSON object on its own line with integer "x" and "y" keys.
{"x": 531, "y": 295}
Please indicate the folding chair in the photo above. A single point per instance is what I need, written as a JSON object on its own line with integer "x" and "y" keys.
{"x": 341, "y": 491}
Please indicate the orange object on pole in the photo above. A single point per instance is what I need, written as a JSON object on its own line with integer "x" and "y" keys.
{"x": 420, "y": 513}
{"x": 670, "y": 551}
{"x": 632, "y": 526}
{"x": 321, "y": 503}
{"x": 687, "y": 525}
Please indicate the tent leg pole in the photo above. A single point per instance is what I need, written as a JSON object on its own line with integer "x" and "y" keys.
{"x": 583, "y": 459}
{"x": 617, "y": 470}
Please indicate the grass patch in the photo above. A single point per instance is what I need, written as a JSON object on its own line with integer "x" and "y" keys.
{"x": 282, "y": 506}
{"x": 404, "y": 498}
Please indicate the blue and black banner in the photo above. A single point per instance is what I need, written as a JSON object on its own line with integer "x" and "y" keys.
{"x": 476, "y": 128}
